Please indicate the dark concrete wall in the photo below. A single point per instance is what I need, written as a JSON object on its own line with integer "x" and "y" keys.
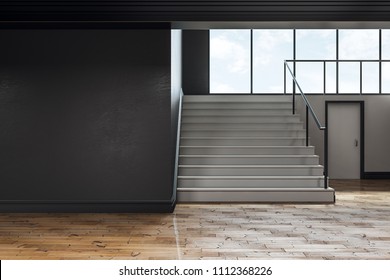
{"x": 196, "y": 62}
{"x": 85, "y": 118}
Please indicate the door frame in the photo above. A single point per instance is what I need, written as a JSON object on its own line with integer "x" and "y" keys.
{"x": 362, "y": 147}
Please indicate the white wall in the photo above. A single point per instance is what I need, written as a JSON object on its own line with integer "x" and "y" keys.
{"x": 377, "y": 127}
{"x": 176, "y": 65}
{"x": 176, "y": 84}
{"x": 176, "y": 78}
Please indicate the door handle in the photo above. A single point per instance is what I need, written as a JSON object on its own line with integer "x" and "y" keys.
{"x": 356, "y": 143}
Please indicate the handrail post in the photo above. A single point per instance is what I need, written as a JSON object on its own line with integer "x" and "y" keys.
{"x": 307, "y": 126}
{"x": 293, "y": 94}
{"x": 293, "y": 103}
{"x": 326, "y": 156}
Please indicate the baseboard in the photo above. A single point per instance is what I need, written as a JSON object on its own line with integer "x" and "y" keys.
{"x": 376, "y": 175}
{"x": 58, "y": 207}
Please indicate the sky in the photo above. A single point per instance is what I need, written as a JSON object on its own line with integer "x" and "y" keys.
{"x": 230, "y": 60}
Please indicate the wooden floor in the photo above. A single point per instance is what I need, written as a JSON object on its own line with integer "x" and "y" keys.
{"x": 356, "y": 227}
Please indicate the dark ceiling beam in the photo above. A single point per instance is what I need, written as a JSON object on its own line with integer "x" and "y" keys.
{"x": 186, "y": 10}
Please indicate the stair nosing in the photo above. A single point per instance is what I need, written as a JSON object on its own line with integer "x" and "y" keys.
{"x": 244, "y": 137}
{"x": 247, "y": 177}
{"x": 281, "y": 122}
{"x": 237, "y": 101}
{"x": 244, "y": 129}
{"x": 239, "y": 189}
{"x": 235, "y": 146}
{"x": 249, "y": 115}
{"x": 253, "y": 156}
{"x": 287, "y": 109}
{"x": 249, "y": 166}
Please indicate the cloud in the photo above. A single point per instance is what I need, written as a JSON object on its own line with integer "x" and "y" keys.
{"x": 268, "y": 39}
{"x": 218, "y": 87}
{"x": 227, "y": 46}
{"x": 323, "y": 33}
{"x": 316, "y": 44}
{"x": 270, "y": 46}
{"x": 359, "y": 44}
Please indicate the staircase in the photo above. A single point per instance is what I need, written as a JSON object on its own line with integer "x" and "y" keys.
{"x": 246, "y": 149}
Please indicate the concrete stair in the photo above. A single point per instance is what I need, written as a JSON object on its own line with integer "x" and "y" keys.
{"x": 250, "y": 170}
{"x": 246, "y": 148}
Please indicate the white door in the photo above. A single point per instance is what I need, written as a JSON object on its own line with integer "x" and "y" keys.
{"x": 344, "y": 140}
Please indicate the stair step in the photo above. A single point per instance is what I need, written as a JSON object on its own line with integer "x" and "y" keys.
{"x": 248, "y": 159}
{"x": 265, "y": 195}
{"x": 237, "y": 105}
{"x": 242, "y": 141}
{"x": 242, "y": 133}
{"x": 246, "y": 150}
{"x": 241, "y": 119}
{"x": 237, "y": 98}
{"x": 250, "y": 170}
{"x": 237, "y": 112}
{"x": 250, "y": 181}
{"x": 255, "y": 126}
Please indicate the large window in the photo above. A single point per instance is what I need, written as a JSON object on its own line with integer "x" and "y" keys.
{"x": 331, "y": 61}
{"x": 230, "y": 61}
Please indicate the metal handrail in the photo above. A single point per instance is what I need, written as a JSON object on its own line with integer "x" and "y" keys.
{"x": 309, "y": 108}
{"x": 321, "y": 127}
{"x": 177, "y": 147}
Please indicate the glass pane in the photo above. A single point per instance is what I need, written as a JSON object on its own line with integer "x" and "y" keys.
{"x": 359, "y": 44}
{"x": 349, "y": 77}
{"x": 331, "y": 77}
{"x": 370, "y": 72}
{"x": 316, "y": 44}
{"x": 270, "y": 49}
{"x": 386, "y": 77}
{"x": 310, "y": 76}
{"x": 385, "y": 44}
{"x": 230, "y": 61}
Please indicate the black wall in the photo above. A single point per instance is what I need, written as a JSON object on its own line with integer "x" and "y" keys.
{"x": 85, "y": 120}
{"x": 196, "y": 62}
{"x": 185, "y": 10}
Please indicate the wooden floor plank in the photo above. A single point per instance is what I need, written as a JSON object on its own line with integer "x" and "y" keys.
{"x": 357, "y": 226}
